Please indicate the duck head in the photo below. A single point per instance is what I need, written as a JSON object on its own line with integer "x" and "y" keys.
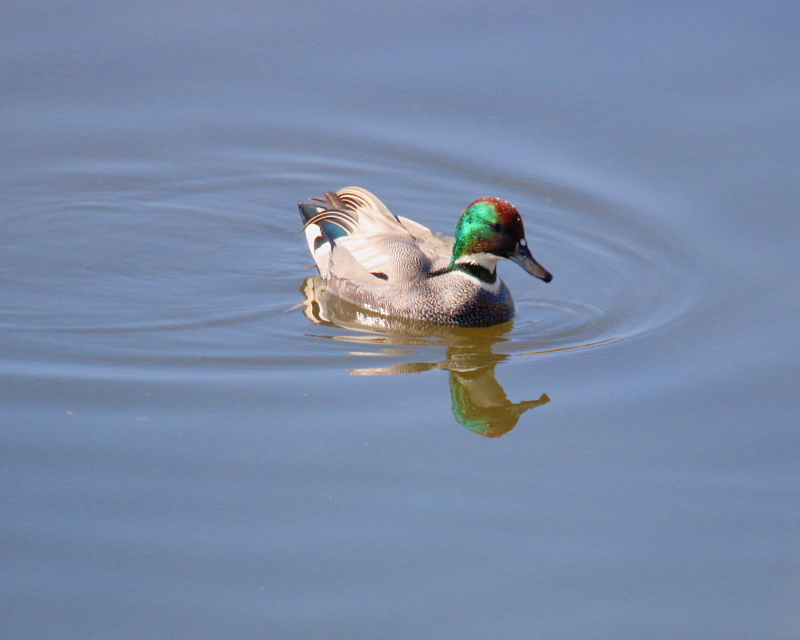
{"x": 489, "y": 230}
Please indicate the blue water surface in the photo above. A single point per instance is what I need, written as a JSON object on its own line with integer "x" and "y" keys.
{"x": 196, "y": 444}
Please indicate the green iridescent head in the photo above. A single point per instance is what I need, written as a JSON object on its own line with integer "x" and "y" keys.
{"x": 493, "y": 227}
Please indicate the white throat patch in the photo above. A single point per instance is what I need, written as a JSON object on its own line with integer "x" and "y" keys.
{"x": 485, "y": 260}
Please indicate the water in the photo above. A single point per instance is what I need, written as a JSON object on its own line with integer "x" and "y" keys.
{"x": 193, "y": 445}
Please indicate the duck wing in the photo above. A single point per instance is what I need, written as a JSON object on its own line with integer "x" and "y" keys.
{"x": 354, "y": 236}
{"x": 375, "y": 217}
{"x": 437, "y": 246}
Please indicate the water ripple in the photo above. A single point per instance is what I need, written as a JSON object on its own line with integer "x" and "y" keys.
{"x": 196, "y": 261}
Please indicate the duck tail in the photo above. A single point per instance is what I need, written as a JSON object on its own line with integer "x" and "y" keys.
{"x": 323, "y": 225}
{"x": 332, "y": 224}
{"x": 331, "y": 202}
{"x": 307, "y": 211}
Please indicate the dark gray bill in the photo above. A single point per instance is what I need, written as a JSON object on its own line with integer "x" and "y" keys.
{"x": 522, "y": 256}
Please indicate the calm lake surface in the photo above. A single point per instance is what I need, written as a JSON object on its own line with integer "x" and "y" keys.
{"x": 197, "y": 443}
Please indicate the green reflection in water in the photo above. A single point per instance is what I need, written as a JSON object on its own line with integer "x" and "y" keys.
{"x": 479, "y": 401}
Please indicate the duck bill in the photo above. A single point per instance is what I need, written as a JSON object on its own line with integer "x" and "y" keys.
{"x": 522, "y": 256}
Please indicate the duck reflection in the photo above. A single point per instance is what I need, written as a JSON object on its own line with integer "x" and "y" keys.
{"x": 479, "y": 402}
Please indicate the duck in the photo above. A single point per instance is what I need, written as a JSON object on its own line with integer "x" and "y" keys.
{"x": 396, "y": 267}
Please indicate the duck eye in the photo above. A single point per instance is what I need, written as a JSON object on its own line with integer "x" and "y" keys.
{"x": 495, "y": 226}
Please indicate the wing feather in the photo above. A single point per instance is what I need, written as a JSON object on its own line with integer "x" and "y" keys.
{"x": 399, "y": 249}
